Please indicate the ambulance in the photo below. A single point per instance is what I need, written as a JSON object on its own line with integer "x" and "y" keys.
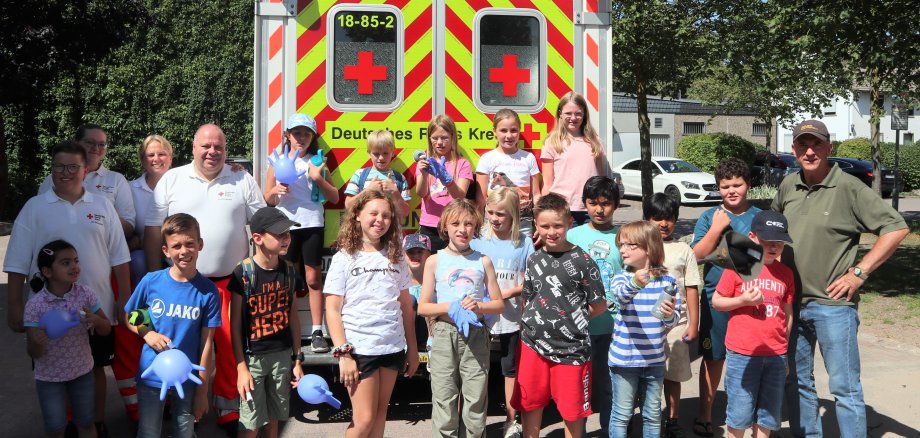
{"x": 357, "y": 66}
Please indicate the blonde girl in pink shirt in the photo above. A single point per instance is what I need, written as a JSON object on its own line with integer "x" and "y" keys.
{"x": 435, "y": 190}
{"x": 573, "y": 151}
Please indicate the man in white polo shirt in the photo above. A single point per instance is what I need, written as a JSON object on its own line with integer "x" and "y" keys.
{"x": 101, "y": 180}
{"x": 70, "y": 212}
{"x": 222, "y": 201}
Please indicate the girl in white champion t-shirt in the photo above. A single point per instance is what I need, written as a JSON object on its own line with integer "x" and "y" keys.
{"x": 369, "y": 309}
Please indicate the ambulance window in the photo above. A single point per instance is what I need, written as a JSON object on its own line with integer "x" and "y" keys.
{"x": 364, "y": 58}
{"x": 509, "y": 60}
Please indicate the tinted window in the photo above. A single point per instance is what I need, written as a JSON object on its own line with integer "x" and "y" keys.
{"x": 633, "y": 165}
{"x": 365, "y": 57}
{"x": 677, "y": 166}
{"x": 509, "y": 64}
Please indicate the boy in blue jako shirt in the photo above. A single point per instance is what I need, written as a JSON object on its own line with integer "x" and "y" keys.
{"x": 184, "y": 309}
{"x": 598, "y": 239}
{"x": 265, "y": 326}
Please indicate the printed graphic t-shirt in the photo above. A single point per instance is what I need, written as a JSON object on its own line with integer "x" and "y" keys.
{"x": 370, "y": 286}
{"x": 505, "y": 170}
{"x": 759, "y": 330}
{"x": 602, "y": 247}
{"x": 268, "y": 307}
{"x": 558, "y": 287}
{"x": 179, "y": 311}
{"x": 509, "y": 262}
{"x": 69, "y": 356}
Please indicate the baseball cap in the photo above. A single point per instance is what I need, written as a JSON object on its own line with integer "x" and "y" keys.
{"x": 416, "y": 240}
{"x": 272, "y": 220}
{"x": 739, "y": 253}
{"x": 771, "y": 226}
{"x": 298, "y": 119}
{"x": 811, "y": 127}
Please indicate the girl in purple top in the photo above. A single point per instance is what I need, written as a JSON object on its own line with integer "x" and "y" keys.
{"x": 435, "y": 190}
{"x": 64, "y": 364}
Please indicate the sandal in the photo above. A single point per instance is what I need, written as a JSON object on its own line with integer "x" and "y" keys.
{"x": 702, "y": 428}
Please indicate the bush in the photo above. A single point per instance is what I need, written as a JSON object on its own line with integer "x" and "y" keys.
{"x": 859, "y": 147}
{"x": 706, "y": 150}
{"x": 909, "y": 164}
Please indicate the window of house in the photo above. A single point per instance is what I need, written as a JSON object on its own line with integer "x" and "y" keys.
{"x": 658, "y": 122}
{"x": 908, "y": 138}
{"x": 760, "y": 129}
{"x": 694, "y": 128}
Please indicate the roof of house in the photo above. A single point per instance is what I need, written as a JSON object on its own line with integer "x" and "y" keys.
{"x": 626, "y": 103}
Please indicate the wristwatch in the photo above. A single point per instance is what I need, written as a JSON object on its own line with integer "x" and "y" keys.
{"x": 297, "y": 357}
{"x": 857, "y": 271}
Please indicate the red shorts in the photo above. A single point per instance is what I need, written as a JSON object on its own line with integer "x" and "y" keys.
{"x": 539, "y": 378}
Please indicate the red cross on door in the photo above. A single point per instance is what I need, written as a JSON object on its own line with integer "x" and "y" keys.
{"x": 529, "y": 135}
{"x": 365, "y": 72}
{"x": 509, "y": 75}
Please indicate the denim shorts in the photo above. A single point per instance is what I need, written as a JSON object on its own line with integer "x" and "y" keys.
{"x": 53, "y": 397}
{"x": 755, "y": 386}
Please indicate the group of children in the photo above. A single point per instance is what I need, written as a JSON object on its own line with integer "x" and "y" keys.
{"x": 590, "y": 319}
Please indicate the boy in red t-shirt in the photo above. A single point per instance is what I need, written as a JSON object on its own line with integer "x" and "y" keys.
{"x": 758, "y": 328}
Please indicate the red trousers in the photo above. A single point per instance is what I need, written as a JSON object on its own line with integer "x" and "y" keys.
{"x": 226, "y": 396}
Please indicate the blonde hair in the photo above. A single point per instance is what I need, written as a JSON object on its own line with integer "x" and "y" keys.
{"x": 154, "y": 138}
{"x": 558, "y": 138}
{"x": 509, "y": 199}
{"x": 645, "y": 235}
{"x": 381, "y": 138}
{"x": 351, "y": 238}
{"x": 457, "y": 209}
{"x": 446, "y": 123}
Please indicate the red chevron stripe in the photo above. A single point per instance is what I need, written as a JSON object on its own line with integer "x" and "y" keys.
{"x": 591, "y": 48}
{"x": 423, "y": 114}
{"x": 375, "y": 117}
{"x": 592, "y": 94}
{"x": 274, "y": 42}
{"x": 547, "y": 116}
{"x": 591, "y": 5}
{"x": 311, "y": 84}
{"x": 274, "y": 89}
{"x": 418, "y": 74}
{"x": 458, "y": 28}
{"x": 556, "y": 84}
{"x": 274, "y": 134}
{"x": 326, "y": 115}
{"x": 453, "y": 112}
{"x": 459, "y": 76}
{"x": 417, "y": 28}
{"x": 315, "y": 32}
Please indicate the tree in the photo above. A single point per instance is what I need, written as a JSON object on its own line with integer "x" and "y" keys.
{"x": 42, "y": 40}
{"x": 659, "y": 48}
{"x": 873, "y": 46}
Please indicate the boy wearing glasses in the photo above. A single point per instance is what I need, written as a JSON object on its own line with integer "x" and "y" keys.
{"x": 69, "y": 211}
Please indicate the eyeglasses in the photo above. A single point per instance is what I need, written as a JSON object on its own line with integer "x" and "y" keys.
{"x": 93, "y": 145}
{"x": 71, "y": 168}
{"x": 444, "y": 139}
{"x": 629, "y": 246}
{"x": 573, "y": 115}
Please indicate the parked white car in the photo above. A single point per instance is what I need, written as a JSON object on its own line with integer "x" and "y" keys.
{"x": 673, "y": 176}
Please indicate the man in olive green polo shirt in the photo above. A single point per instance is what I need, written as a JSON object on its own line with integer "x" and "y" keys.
{"x": 827, "y": 211}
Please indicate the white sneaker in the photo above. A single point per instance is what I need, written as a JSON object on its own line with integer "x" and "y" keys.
{"x": 512, "y": 429}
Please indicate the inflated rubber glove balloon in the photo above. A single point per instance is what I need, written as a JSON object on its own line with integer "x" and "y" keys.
{"x": 285, "y": 170}
{"x": 58, "y": 322}
{"x": 316, "y": 195}
{"x": 439, "y": 170}
{"x": 173, "y": 368}
{"x": 462, "y": 317}
{"x": 314, "y": 390}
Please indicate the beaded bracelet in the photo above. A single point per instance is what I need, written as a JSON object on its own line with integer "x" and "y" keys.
{"x": 342, "y": 350}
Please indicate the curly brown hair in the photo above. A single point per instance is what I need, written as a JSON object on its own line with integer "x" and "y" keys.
{"x": 732, "y": 167}
{"x": 351, "y": 238}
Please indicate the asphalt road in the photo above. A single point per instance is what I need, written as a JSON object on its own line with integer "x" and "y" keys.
{"x": 891, "y": 378}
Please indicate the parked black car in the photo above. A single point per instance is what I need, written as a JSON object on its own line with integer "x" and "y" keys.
{"x": 770, "y": 169}
{"x": 862, "y": 169}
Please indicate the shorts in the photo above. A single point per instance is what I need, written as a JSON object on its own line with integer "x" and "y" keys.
{"x": 306, "y": 246}
{"x": 509, "y": 346}
{"x": 755, "y": 386}
{"x": 54, "y": 397}
{"x": 271, "y": 373}
{"x": 368, "y": 364}
{"x": 713, "y": 325}
{"x": 539, "y": 379}
{"x": 677, "y": 365}
{"x": 103, "y": 349}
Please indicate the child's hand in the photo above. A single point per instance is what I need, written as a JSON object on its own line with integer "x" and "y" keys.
{"x": 690, "y": 334}
{"x": 157, "y": 341}
{"x": 388, "y": 186}
{"x": 642, "y": 277}
{"x": 200, "y": 402}
{"x": 297, "y": 370}
{"x": 411, "y": 365}
{"x": 348, "y": 372}
{"x": 423, "y": 166}
{"x": 751, "y": 296}
{"x": 720, "y": 220}
{"x": 316, "y": 172}
{"x": 667, "y": 308}
{"x": 39, "y": 337}
{"x": 244, "y": 384}
{"x": 469, "y": 303}
{"x": 278, "y": 190}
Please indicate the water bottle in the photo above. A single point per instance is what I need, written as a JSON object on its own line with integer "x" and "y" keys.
{"x": 666, "y": 295}
{"x": 316, "y": 194}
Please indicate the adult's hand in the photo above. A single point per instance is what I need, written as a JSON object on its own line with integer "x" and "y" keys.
{"x": 845, "y": 286}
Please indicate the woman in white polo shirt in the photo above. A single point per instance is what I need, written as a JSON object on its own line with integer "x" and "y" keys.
{"x": 156, "y": 155}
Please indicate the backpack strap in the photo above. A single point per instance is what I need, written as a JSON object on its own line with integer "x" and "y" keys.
{"x": 249, "y": 275}
{"x": 363, "y": 178}
{"x": 365, "y": 172}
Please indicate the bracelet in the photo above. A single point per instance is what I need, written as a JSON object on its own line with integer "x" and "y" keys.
{"x": 342, "y": 350}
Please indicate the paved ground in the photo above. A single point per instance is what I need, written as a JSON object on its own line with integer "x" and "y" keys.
{"x": 891, "y": 377}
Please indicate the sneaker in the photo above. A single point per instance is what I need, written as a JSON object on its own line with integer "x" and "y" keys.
{"x": 512, "y": 429}
{"x": 318, "y": 343}
{"x": 671, "y": 429}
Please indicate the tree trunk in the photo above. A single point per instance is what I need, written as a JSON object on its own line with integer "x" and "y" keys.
{"x": 769, "y": 144}
{"x": 645, "y": 143}
{"x": 876, "y": 109}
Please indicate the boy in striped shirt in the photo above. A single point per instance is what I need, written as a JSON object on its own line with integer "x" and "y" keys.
{"x": 640, "y": 328}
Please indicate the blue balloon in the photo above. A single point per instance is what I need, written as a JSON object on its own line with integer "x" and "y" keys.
{"x": 285, "y": 170}
{"x": 314, "y": 390}
{"x": 173, "y": 368}
{"x": 58, "y": 322}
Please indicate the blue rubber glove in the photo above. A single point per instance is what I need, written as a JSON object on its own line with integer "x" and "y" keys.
{"x": 316, "y": 195}
{"x": 438, "y": 169}
{"x": 285, "y": 170}
{"x": 463, "y": 318}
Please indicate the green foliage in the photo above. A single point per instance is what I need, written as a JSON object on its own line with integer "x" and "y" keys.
{"x": 762, "y": 192}
{"x": 859, "y": 147}
{"x": 706, "y": 150}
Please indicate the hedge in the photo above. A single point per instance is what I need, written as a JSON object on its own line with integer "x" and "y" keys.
{"x": 861, "y": 148}
{"x": 706, "y": 150}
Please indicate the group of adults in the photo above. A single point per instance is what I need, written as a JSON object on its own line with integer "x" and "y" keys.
{"x": 827, "y": 211}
